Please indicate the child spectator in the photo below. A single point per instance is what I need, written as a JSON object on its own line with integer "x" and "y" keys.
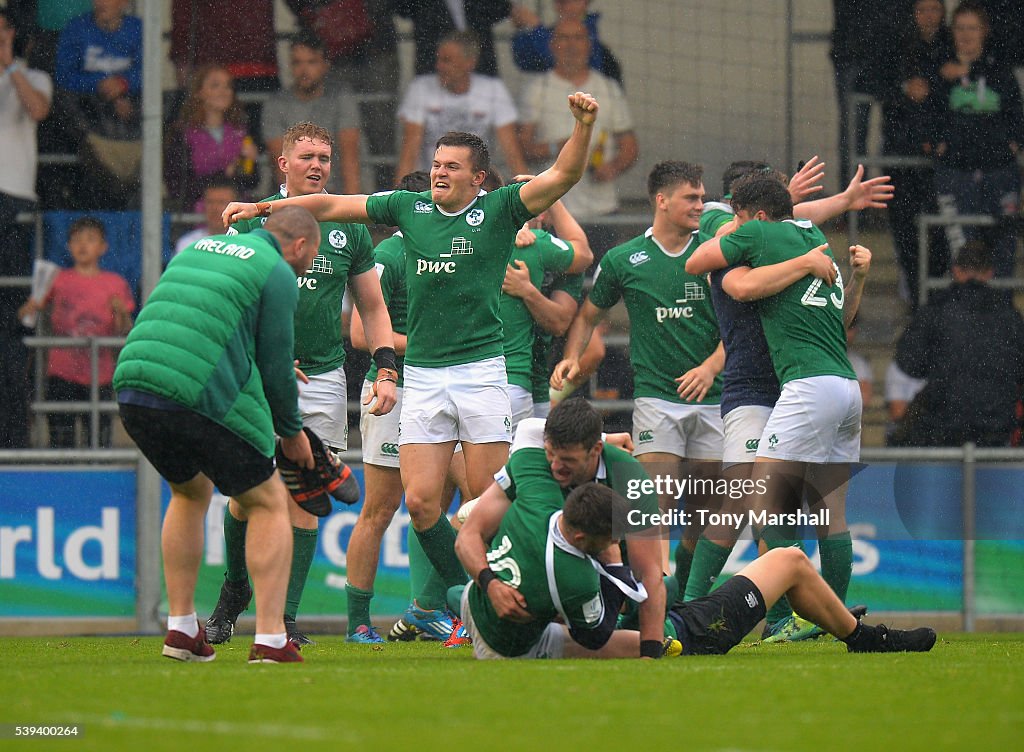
{"x": 218, "y": 193}
{"x": 85, "y": 301}
{"x": 210, "y": 137}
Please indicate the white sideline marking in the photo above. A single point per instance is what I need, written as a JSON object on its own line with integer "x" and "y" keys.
{"x": 208, "y": 727}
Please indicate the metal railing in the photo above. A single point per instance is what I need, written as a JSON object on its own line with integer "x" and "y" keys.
{"x": 94, "y": 406}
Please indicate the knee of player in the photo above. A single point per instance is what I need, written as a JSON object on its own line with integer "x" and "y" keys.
{"x": 790, "y": 556}
{"x": 378, "y": 510}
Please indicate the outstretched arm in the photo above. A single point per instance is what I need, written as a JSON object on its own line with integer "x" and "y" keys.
{"x": 325, "y": 207}
{"x": 859, "y": 194}
{"x": 555, "y": 182}
{"x": 707, "y": 258}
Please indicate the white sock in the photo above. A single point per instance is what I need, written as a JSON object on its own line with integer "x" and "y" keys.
{"x": 271, "y": 640}
{"x": 187, "y": 624}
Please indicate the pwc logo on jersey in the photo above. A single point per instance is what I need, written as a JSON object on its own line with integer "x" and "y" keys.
{"x": 640, "y": 257}
{"x": 422, "y": 207}
{"x": 321, "y": 265}
{"x": 460, "y": 247}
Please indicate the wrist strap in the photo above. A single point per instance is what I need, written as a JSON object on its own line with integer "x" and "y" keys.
{"x": 386, "y": 374}
{"x": 484, "y": 577}
{"x": 263, "y": 208}
{"x": 651, "y": 648}
{"x": 385, "y": 357}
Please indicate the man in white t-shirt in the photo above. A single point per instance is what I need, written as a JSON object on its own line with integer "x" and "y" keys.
{"x": 25, "y": 95}
{"x": 456, "y": 99}
{"x": 613, "y": 149}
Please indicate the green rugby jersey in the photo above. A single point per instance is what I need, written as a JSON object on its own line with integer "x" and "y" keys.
{"x": 672, "y": 323}
{"x": 345, "y": 250}
{"x": 715, "y": 215}
{"x": 530, "y": 554}
{"x": 455, "y": 264}
{"x": 547, "y": 254}
{"x": 803, "y": 324}
{"x": 389, "y": 258}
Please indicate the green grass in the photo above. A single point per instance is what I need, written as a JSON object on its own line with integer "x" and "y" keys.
{"x": 968, "y": 693}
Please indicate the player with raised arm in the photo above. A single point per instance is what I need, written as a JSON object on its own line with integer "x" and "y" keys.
{"x": 345, "y": 258}
{"x": 457, "y": 247}
{"x": 675, "y": 350}
{"x": 749, "y": 385}
{"x": 800, "y": 330}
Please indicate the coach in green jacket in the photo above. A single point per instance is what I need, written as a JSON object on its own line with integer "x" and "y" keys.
{"x": 204, "y": 382}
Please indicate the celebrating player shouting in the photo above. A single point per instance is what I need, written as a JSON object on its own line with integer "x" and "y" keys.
{"x": 457, "y": 247}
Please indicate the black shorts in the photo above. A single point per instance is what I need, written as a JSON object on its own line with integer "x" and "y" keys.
{"x": 716, "y": 623}
{"x": 181, "y": 444}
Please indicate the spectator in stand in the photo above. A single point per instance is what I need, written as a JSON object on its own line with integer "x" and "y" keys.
{"x": 218, "y": 193}
{"x": 864, "y": 37}
{"x": 363, "y": 54}
{"x": 457, "y": 99}
{"x": 531, "y": 46}
{"x": 979, "y": 131}
{"x": 907, "y": 119}
{"x": 860, "y": 364}
{"x": 307, "y": 101}
{"x": 432, "y": 20}
{"x": 99, "y": 66}
{"x": 210, "y": 138}
{"x": 613, "y": 149}
{"x": 900, "y": 391}
{"x": 85, "y": 301}
{"x": 969, "y": 345}
{"x": 238, "y": 36}
{"x": 25, "y": 95}
{"x": 50, "y": 17}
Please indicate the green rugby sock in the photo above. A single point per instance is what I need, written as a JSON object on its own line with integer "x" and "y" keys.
{"x": 234, "y": 547}
{"x": 428, "y": 589}
{"x": 439, "y": 545}
{"x": 837, "y": 562}
{"x": 684, "y": 559}
{"x": 358, "y": 607}
{"x": 303, "y": 550}
{"x": 708, "y": 561}
{"x": 454, "y": 598}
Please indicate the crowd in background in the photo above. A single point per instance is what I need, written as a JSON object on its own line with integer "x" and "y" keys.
{"x": 71, "y": 84}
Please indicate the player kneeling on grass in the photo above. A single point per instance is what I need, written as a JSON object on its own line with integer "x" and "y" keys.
{"x": 564, "y": 564}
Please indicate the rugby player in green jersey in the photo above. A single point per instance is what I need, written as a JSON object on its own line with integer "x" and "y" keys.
{"x": 804, "y": 330}
{"x": 675, "y": 349}
{"x": 345, "y": 258}
{"x": 458, "y": 241}
{"x": 539, "y": 545}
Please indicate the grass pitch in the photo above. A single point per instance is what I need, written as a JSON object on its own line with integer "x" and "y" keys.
{"x": 968, "y": 693}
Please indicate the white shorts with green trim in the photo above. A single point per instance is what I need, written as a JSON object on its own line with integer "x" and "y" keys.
{"x": 379, "y": 432}
{"x": 743, "y": 428}
{"x": 324, "y": 407}
{"x": 467, "y": 402}
{"x": 690, "y": 431}
{"x": 816, "y": 419}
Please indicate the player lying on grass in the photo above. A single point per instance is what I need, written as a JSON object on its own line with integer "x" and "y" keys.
{"x": 530, "y": 566}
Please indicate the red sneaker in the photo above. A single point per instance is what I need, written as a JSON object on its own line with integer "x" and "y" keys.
{"x": 266, "y": 654}
{"x": 181, "y": 647}
{"x": 459, "y": 637}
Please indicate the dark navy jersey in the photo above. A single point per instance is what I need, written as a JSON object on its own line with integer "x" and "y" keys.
{"x": 749, "y": 377}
